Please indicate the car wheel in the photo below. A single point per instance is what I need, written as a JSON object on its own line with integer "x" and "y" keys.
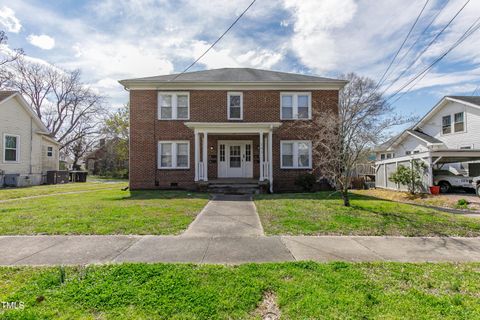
{"x": 444, "y": 187}
{"x": 478, "y": 190}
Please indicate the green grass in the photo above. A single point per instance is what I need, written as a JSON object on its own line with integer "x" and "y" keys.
{"x": 99, "y": 211}
{"x": 304, "y": 290}
{"x": 14, "y": 193}
{"x": 322, "y": 214}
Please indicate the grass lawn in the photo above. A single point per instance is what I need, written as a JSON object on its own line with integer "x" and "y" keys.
{"x": 98, "y": 211}
{"x": 14, "y": 193}
{"x": 303, "y": 290}
{"x": 322, "y": 214}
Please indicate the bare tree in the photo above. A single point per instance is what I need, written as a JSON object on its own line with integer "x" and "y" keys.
{"x": 68, "y": 108}
{"x": 7, "y": 56}
{"x": 342, "y": 138}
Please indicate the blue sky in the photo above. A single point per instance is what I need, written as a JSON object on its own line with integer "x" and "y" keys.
{"x": 114, "y": 39}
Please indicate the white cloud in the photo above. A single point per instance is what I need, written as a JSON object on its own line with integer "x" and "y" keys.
{"x": 9, "y": 20}
{"x": 42, "y": 41}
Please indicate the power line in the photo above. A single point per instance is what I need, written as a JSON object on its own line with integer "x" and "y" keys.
{"x": 420, "y": 35}
{"x": 216, "y": 41}
{"x": 475, "y": 91}
{"x": 401, "y": 46}
{"x": 426, "y": 48}
{"x": 472, "y": 29}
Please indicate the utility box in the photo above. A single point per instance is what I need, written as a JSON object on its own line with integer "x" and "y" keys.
{"x": 57, "y": 177}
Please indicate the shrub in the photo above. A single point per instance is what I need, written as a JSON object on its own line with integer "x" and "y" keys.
{"x": 462, "y": 204}
{"x": 306, "y": 182}
{"x": 411, "y": 177}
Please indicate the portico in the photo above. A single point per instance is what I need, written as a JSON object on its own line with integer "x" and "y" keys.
{"x": 235, "y": 155}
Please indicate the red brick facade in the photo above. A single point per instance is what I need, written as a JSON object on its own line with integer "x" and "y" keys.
{"x": 211, "y": 106}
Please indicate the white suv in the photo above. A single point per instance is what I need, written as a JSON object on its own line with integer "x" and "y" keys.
{"x": 448, "y": 180}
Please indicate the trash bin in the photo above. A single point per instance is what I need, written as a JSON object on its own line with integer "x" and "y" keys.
{"x": 435, "y": 189}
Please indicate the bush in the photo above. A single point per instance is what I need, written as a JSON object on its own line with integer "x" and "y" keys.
{"x": 462, "y": 204}
{"x": 410, "y": 177}
{"x": 306, "y": 182}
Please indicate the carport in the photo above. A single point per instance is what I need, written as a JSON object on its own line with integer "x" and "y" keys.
{"x": 434, "y": 159}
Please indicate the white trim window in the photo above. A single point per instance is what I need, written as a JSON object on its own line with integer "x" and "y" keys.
{"x": 49, "y": 151}
{"x": 459, "y": 124}
{"x": 295, "y": 105}
{"x": 173, "y": 155}
{"x": 235, "y": 105}
{"x": 296, "y": 154}
{"x": 11, "y": 148}
{"x": 173, "y": 105}
{"x": 446, "y": 124}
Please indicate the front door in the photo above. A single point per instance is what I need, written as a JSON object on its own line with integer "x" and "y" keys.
{"x": 235, "y": 159}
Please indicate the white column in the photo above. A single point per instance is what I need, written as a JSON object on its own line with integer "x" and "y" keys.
{"x": 261, "y": 155}
{"x": 197, "y": 150}
{"x": 270, "y": 160}
{"x": 205, "y": 156}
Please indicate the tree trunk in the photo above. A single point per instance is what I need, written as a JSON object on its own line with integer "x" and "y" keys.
{"x": 345, "y": 198}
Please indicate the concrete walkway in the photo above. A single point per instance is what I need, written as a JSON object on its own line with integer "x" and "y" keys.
{"x": 227, "y": 216}
{"x": 71, "y": 250}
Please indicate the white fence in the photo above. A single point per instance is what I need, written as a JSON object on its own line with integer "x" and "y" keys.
{"x": 384, "y": 171}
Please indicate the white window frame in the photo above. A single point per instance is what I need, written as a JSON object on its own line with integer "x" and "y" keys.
{"x": 229, "y": 94}
{"x": 17, "y": 155}
{"x": 174, "y": 95}
{"x": 295, "y": 154}
{"x": 295, "y": 105}
{"x": 454, "y": 122}
{"x": 174, "y": 154}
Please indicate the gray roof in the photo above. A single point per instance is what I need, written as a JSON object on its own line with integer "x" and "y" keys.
{"x": 236, "y": 75}
{"x": 5, "y": 94}
{"x": 424, "y": 136}
{"x": 469, "y": 99}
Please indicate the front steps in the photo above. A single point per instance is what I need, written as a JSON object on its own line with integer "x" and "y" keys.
{"x": 234, "y": 186}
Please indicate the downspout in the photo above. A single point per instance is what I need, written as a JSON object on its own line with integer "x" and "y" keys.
{"x": 31, "y": 143}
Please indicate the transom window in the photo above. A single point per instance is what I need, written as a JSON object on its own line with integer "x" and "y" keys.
{"x": 173, "y": 154}
{"x": 11, "y": 148}
{"x": 173, "y": 105}
{"x": 235, "y": 105}
{"x": 49, "y": 151}
{"x": 296, "y": 105}
{"x": 296, "y": 154}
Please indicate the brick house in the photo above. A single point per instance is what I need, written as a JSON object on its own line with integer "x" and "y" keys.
{"x": 224, "y": 125}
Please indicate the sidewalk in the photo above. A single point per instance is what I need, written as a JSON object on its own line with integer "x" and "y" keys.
{"x": 72, "y": 250}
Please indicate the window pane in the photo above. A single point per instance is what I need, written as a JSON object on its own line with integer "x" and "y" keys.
{"x": 235, "y": 112}
{"x": 166, "y": 155}
{"x": 235, "y": 157}
{"x": 248, "y": 152}
{"x": 165, "y": 106}
{"x": 287, "y": 160}
{"x": 287, "y": 113}
{"x": 303, "y": 112}
{"x": 234, "y": 101}
{"x": 303, "y": 154}
{"x": 459, "y": 117}
{"x": 287, "y": 154}
{"x": 303, "y": 101}
{"x": 166, "y": 113}
{"x": 10, "y": 142}
{"x": 182, "y": 161}
{"x": 446, "y": 124}
{"x": 166, "y": 101}
{"x": 222, "y": 152}
{"x": 287, "y": 101}
{"x": 182, "y": 106}
{"x": 10, "y": 155}
{"x": 459, "y": 126}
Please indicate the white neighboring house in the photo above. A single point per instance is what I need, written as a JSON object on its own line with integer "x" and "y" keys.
{"x": 27, "y": 149}
{"x": 447, "y": 138}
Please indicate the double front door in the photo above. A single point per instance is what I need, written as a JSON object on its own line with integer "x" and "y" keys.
{"x": 235, "y": 159}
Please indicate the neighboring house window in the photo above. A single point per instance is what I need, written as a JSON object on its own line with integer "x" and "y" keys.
{"x": 295, "y": 105}
{"x": 173, "y": 105}
{"x": 11, "y": 148}
{"x": 235, "y": 106}
{"x": 416, "y": 151}
{"x": 389, "y": 156}
{"x": 466, "y": 147}
{"x": 173, "y": 154}
{"x": 382, "y": 156}
{"x": 296, "y": 154}
{"x": 49, "y": 151}
{"x": 408, "y": 153}
{"x": 459, "y": 123}
{"x": 446, "y": 124}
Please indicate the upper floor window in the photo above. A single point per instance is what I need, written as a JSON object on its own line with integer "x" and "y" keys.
{"x": 446, "y": 124}
{"x": 173, "y": 154}
{"x": 173, "y": 105}
{"x": 459, "y": 123}
{"x": 49, "y": 151}
{"x": 295, "y": 105}
{"x": 235, "y": 106}
{"x": 296, "y": 154}
{"x": 10, "y": 148}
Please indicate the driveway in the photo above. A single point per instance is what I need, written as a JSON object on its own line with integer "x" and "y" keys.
{"x": 227, "y": 216}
